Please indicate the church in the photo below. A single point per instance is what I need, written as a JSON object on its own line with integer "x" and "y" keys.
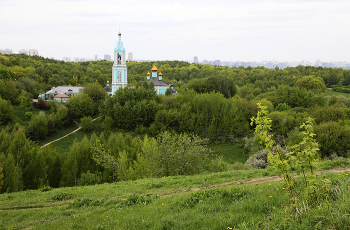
{"x": 120, "y": 75}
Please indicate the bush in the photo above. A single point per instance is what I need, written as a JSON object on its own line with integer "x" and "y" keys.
{"x": 218, "y": 165}
{"x": 62, "y": 196}
{"x": 89, "y": 178}
{"x": 85, "y": 122}
{"x": 28, "y": 115}
{"x": 259, "y": 159}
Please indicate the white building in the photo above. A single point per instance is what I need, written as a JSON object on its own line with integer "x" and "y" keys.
{"x": 23, "y": 51}
{"x": 6, "y": 51}
{"x": 66, "y": 59}
{"x": 33, "y": 52}
{"x": 130, "y": 56}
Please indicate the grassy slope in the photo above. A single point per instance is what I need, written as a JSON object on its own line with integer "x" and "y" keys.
{"x": 334, "y": 93}
{"x": 119, "y": 206}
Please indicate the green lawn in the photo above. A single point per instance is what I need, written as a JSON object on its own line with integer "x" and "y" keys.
{"x": 334, "y": 93}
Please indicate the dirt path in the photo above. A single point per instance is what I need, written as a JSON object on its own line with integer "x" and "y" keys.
{"x": 67, "y": 134}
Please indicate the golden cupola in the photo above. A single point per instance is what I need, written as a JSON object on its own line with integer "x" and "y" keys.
{"x": 154, "y": 69}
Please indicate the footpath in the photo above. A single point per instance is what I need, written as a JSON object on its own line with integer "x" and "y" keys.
{"x": 67, "y": 134}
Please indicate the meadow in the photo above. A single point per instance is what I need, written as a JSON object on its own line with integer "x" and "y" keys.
{"x": 240, "y": 199}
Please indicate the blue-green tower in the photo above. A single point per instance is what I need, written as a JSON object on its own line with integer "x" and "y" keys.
{"x": 119, "y": 69}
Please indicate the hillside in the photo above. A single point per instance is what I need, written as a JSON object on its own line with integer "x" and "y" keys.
{"x": 234, "y": 199}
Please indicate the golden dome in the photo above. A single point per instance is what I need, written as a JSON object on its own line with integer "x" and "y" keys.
{"x": 160, "y": 73}
{"x": 154, "y": 69}
{"x": 119, "y": 33}
{"x": 148, "y": 73}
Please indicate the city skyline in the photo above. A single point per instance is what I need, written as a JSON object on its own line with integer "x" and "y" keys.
{"x": 229, "y": 31}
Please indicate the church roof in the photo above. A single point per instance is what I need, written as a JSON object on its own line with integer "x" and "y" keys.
{"x": 157, "y": 82}
{"x": 64, "y": 89}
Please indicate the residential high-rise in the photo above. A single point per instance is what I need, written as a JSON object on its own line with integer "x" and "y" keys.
{"x": 130, "y": 56}
{"x": 6, "y": 51}
{"x": 33, "y": 52}
{"x": 66, "y": 59}
{"x": 23, "y": 51}
{"x": 195, "y": 60}
{"x": 107, "y": 57}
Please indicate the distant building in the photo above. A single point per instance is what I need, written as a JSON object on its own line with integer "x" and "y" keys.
{"x": 76, "y": 59}
{"x": 66, "y": 59}
{"x": 217, "y": 62}
{"x": 33, "y": 52}
{"x": 107, "y": 57}
{"x": 96, "y": 58}
{"x": 23, "y": 51}
{"x": 195, "y": 60}
{"x": 6, "y": 51}
{"x": 130, "y": 56}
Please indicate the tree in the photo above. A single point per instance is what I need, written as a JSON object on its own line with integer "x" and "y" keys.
{"x": 83, "y": 105}
{"x": 310, "y": 83}
{"x": 6, "y": 111}
{"x": 178, "y": 154}
{"x": 168, "y": 92}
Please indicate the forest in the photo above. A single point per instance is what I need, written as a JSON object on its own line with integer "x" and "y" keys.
{"x": 214, "y": 104}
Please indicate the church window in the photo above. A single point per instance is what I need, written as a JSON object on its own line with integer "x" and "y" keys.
{"x": 119, "y": 77}
{"x": 119, "y": 58}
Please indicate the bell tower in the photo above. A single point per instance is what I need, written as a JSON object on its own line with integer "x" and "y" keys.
{"x": 119, "y": 69}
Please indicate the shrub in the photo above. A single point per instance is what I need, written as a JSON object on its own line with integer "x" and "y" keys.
{"x": 89, "y": 178}
{"x": 218, "y": 165}
{"x": 259, "y": 159}
{"x": 85, "y": 122}
{"x": 28, "y": 115}
{"x": 62, "y": 196}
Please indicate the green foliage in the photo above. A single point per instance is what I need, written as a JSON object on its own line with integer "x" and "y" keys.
{"x": 6, "y": 111}
{"x": 178, "y": 154}
{"x": 282, "y": 107}
{"x": 301, "y": 159}
{"x": 89, "y": 179}
{"x": 28, "y": 115}
{"x": 61, "y": 196}
{"x": 217, "y": 83}
{"x": 333, "y": 137}
{"x": 168, "y": 92}
{"x": 83, "y": 105}
{"x": 327, "y": 114}
{"x": 311, "y": 83}
{"x": 218, "y": 165}
{"x": 85, "y": 122}
{"x": 37, "y": 127}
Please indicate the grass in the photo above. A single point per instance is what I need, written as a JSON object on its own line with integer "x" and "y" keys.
{"x": 231, "y": 153}
{"x": 64, "y": 144}
{"x": 334, "y": 93}
{"x": 135, "y": 205}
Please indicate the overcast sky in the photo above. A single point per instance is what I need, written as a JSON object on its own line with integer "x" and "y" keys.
{"x": 231, "y": 30}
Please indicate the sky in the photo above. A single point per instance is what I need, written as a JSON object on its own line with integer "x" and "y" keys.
{"x": 226, "y": 30}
